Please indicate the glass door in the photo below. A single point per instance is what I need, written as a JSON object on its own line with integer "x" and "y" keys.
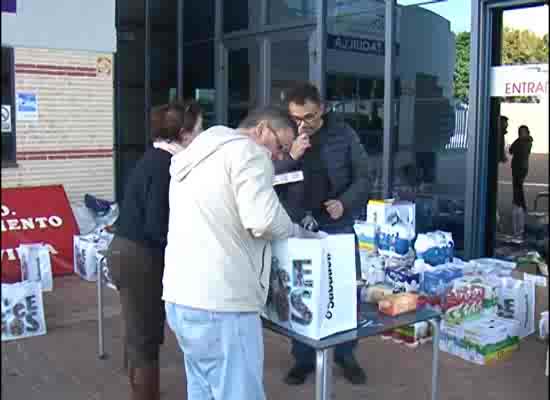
{"x": 241, "y": 76}
{"x": 290, "y": 61}
{"x": 259, "y": 68}
{"x": 519, "y": 148}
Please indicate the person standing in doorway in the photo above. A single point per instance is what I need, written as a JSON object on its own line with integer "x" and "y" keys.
{"x": 136, "y": 254}
{"x": 334, "y": 189}
{"x": 520, "y": 151}
{"x": 501, "y": 140}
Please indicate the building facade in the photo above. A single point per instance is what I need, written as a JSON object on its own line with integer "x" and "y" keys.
{"x": 57, "y": 67}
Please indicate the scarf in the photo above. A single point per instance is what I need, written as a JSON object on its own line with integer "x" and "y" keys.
{"x": 171, "y": 147}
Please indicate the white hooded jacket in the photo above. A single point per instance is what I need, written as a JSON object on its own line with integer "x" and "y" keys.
{"x": 223, "y": 213}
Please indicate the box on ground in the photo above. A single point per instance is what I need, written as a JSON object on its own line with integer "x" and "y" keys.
{"x": 484, "y": 341}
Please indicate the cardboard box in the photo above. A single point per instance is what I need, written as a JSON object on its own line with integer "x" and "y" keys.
{"x": 484, "y": 342}
{"x": 382, "y": 212}
{"x": 541, "y": 292}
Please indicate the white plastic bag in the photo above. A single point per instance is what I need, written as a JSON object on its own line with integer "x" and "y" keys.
{"x": 36, "y": 264}
{"x": 313, "y": 286}
{"x": 86, "y": 253}
{"x": 84, "y": 219}
{"x": 22, "y": 311}
{"x": 516, "y": 300}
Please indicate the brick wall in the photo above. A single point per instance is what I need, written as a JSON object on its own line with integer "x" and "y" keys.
{"x": 72, "y": 141}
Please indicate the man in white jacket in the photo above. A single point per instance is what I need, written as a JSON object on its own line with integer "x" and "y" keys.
{"x": 223, "y": 213}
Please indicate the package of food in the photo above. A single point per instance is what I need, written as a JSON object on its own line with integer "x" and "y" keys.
{"x": 412, "y": 335}
{"x": 462, "y": 303}
{"x": 366, "y": 236}
{"x": 36, "y": 264}
{"x": 437, "y": 280}
{"x": 375, "y": 293}
{"x": 381, "y": 212}
{"x": 402, "y": 279}
{"x": 372, "y": 269}
{"x": 435, "y": 248}
{"x": 397, "y": 304}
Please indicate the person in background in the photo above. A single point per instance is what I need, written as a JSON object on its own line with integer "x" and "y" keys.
{"x": 136, "y": 254}
{"x": 334, "y": 189}
{"x": 520, "y": 151}
{"x": 223, "y": 215}
{"x": 501, "y": 140}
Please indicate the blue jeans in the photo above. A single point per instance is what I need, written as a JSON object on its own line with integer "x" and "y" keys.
{"x": 224, "y": 353}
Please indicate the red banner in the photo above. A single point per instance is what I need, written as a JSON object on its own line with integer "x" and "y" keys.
{"x": 34, "y": 215}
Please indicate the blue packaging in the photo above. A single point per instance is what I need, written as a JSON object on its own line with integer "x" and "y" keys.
{"x": 402, "y": 279}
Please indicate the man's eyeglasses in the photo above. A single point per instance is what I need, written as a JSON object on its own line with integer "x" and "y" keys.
{"x": 306, "y": 119}
{"x": 280, "y": 146}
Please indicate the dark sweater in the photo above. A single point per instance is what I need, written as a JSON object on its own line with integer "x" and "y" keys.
{"x": 343, "y": 160}
{"x": 520, "y": 150}
{"x": 144, "y": 210}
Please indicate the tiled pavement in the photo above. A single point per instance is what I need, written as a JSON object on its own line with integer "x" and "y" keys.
{"x": 64, "y": 363}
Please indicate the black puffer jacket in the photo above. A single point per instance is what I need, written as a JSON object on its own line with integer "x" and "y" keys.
{"x": 347, "y": 166}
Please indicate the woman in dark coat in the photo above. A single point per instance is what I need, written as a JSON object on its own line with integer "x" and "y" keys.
{"x": 136, "y": 255}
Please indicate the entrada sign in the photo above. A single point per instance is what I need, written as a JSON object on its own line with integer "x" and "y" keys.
{"x": 519, "y": 81}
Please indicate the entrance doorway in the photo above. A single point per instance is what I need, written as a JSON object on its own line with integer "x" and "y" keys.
{"x": 517, "y": 218}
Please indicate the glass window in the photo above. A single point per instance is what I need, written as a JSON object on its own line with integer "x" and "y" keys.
{"x": 285, "y": 70}
{"x": 198, "y": 21}
{"x": 241, "y": 15}
{"x": 243, "y": 69}
{"x": 291, "y": 11}
{"x": 8, "y": 107}
{"x": 198, "y": 78}
{"x": 429, "y": 163}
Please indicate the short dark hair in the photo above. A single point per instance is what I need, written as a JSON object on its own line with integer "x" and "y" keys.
{"x": 169, "y": 119}
{"x": 503, "y": 118}
{"x": 277, "y": 119}
{"x": 301, "y": 93}
{"x": 524, "y": 127}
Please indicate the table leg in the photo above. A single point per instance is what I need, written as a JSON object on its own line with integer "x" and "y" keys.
{"x": 323, "y": 374}
{"x": 101, "y": 349}
{"x": 435, "y": 360}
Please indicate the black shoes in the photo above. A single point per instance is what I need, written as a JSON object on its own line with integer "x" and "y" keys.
{"x": 298, "y": 374}
{"x": 351, "y": 368}
{"x": 353, "y": 371}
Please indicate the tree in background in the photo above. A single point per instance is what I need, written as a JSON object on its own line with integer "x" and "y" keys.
{"x": 523, "y": 47}
{"x": 462, "y": 67}
{"x": 518, "y": 47}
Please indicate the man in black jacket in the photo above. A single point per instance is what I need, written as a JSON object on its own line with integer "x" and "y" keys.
{"x": 333, "y": 190}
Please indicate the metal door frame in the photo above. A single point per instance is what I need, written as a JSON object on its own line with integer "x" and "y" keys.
{"x": 477, "y": 176}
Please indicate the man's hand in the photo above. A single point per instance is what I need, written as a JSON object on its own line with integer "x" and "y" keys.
{"x": 335, "y": 209}
{"x": 299, "y": 147}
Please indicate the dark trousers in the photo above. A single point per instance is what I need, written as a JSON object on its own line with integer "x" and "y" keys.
{"x": 305, "y": 355}
{"x": 518, "y": 178}
{"x": 137, "y": 273}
